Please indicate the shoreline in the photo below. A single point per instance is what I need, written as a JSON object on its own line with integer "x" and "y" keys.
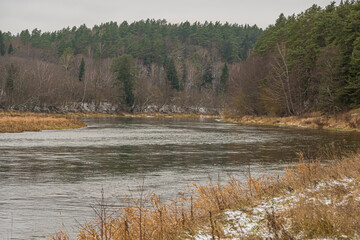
{"x": 264, "y": 207}
{"x": 349, "y": 121}
{"x": 17, "y": 121}
{"x": 309, "y": 201}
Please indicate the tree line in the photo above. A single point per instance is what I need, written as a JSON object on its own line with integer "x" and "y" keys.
{"x": 302, "y": 63}
{"x": 176, "y": 64}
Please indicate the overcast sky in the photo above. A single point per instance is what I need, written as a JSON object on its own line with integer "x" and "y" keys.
{"x": 50, "y": 15}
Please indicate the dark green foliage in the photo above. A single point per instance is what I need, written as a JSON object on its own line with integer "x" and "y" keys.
{"x": 353, "y": 86}
{"x": 224, "y": 78}
{"x": 150, "y": 40}
{"x": 2, "y": 44}
{"x": 124, "y": 69}
{"x": 328, "y": 72}
{"x": 171, "y": 74}
{"x": 40, "y": 40}
{"x": 25, "y": 36}
{"x": 207, "y": 76}
{"x": 305, "y": 38}
{"x": 81, "y": 70}
{"x": 10, "y": 49}
{"x": 81, "y": 40}
{"x": 11, "y": 75}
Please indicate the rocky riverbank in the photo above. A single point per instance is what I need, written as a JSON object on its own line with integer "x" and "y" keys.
{"x": 109, "y": 108}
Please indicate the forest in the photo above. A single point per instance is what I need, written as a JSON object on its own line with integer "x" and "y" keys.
{"x": 302, "y": 63}
{"x": 131, "y": 66}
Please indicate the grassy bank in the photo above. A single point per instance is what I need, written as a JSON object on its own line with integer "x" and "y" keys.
{"x": 344, "y": 121}
{"x": 15, "y": 122}
{"x": 310, "y": 200}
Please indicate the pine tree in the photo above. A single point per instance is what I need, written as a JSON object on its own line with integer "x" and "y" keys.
{"x": 208, "y": 75}
{"x": 11, "y": 49}
{"x": 171, "y": 74}
{"x": 25, "y": 36}
{"x": 353, "y": 87}
{"x": 125, "y": 70}
{"x": 2, "y": 44}
{"x": 224, "y": 78}
{"x": 81, "y": 69}
{"x": 11, "y": 73}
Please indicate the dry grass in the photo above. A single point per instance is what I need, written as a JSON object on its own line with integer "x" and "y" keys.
{"x": 331, "y": 205}
{"x": 345, "y": 121}
{"x": 14, "y": 122}
{"x": 202, "y": 211}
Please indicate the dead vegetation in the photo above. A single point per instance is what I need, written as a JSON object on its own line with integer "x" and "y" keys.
{"x": 314, "y": 204}
{"x": 14, "y": 122}
{"x": 343, "y": 121}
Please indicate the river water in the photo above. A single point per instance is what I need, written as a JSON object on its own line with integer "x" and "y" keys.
{"x": 50, "y": 179}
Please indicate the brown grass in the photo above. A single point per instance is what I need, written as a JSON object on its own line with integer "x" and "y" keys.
{"x": 14, "y": 122}
{"x": 202, "y": 209}
{"x": 344, "y": 121}
{"x": 17, "y": 121}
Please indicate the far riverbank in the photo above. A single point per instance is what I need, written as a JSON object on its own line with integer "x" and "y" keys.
{"x": 349, "y": 121}
{"x": 18, "y": 121}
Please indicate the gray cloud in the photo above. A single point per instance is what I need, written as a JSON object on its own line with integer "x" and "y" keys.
{"x": 50, "y": 15}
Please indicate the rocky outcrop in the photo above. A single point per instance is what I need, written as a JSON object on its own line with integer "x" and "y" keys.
{"x": 177, "y": 109}
{"x": 71, "y": 107}
{"x": 110, "y": 108}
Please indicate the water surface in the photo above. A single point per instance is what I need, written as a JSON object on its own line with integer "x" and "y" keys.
{"x": 51, "y": 178}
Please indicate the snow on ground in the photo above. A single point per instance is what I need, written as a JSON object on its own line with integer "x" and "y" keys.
{"x": 251, "y": 221}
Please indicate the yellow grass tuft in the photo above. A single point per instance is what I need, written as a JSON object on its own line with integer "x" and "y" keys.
{"x": 20, "y": 122}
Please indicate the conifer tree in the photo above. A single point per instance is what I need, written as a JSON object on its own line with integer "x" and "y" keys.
{"x": 11, "y": 49}
{"x": 81, "y": 69}
{"x": 11, "y": 72}
{"x": 208, "y": 75}
{"x": 125, "y": 70}
{"x": 25, "y": 36}
{"x": 224, "y": 78}
{"x": 2, "y": 44}
{"x": 171, "y": 74}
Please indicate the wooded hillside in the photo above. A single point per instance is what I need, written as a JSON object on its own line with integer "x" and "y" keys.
{"x": 173, "y": 64}
{"x": 305, "y": 62}
{"x": 302, "y": 63}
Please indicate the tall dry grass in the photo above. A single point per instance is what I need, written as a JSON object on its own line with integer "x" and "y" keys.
{"x": 341, "y": 121}
{"x": 183, "y": 218}
{"x": 17, "y": 121}
{"x": 13, "y": 122}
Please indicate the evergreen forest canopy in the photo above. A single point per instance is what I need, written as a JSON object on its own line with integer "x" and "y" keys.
{"x": 302, "y": 63}
{"x": 313, "y": 61}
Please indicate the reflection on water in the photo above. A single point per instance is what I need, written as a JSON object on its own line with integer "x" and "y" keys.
{"x": 52, "y": 177}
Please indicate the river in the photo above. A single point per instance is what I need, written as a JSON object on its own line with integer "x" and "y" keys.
{"x": 50, "y": 179}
